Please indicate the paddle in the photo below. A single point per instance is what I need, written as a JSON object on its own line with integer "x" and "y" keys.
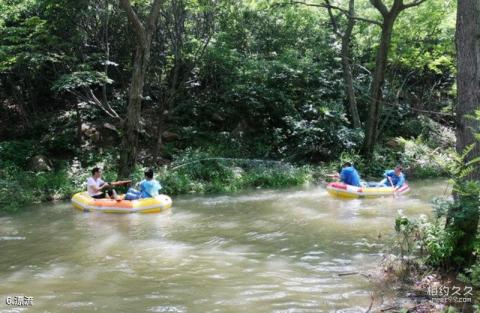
{"x": 332, "y": 175}
{"x": 121, "y": 183}
{"x": 393, "y": 186}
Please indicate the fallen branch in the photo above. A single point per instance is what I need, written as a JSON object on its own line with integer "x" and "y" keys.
{"x": 371, "y": 303}
{"x": 348, "y": 273}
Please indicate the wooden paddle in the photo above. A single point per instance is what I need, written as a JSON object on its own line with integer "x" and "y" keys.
{"x": 333, "y": 175}
{"x": 121, "y": 183}
{"x": 393, "y": 186}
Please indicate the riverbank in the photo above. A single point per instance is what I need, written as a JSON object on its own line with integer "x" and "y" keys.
{"x": 423, "y": 292}
{"x": 193, "y": 171}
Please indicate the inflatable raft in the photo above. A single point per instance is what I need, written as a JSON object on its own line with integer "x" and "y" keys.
{"x": 82, "y": 201}
{"x": 348, "y": 191}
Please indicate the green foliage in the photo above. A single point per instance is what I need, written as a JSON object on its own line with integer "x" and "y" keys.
{"x": 428, "y": 242}
{"x": 408, "y": 232}
{"x": 444, "y": 243}
{"x": 18, "y": 152}
{"x": 200, "y": 173}
{"x": 438, "y": 243}
{"x": 81, "y": 79}
{"x": 20, "y": 188}
{"x": 422, "y": 160}
{"x": 419, "y": 47}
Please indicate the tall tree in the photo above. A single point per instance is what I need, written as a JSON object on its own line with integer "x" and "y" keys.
{"x": 345, "y": 53}
{"x": 143, "y": 35}
{"x": 463, "y": 216}
{"x": 345, "y": 37}
{"x": 189, "y": 27}
{"x": 376, "y": 92}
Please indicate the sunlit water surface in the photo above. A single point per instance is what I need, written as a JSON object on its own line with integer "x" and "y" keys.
{"x": 260, "y": 251}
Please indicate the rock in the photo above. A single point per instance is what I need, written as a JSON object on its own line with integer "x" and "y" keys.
{"x": 393, "y": 144}
{"x": 170, "y": 136}
{"x": 238, "y": 172}
{"x": 39, "y": 163}
{"x": 110, "y": 127}
{"x": 241, "y": 128}
{"x": 218, "y": 117}
{"x": 109, "y": 135}
{"x": 90, "y": 132}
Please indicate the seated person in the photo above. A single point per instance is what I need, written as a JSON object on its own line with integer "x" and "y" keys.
{"x": 149, "y": 188}
{"x": 349, "y": 175}
{"x": 394, "y": 177}
{"x": 96, "y": 186}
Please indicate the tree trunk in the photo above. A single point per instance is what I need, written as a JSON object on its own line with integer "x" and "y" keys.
{"x": 144, "y": 34}
{"x": 464, "y": 216}
{"x": 79, "y": 124}
{"x": 376, "y": 91}
{"x": 468, "y": 78}
{"x": 347, "y": 67}
{"x": 128, "y": 155}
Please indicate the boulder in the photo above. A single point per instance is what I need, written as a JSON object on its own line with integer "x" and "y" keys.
{"x": 39, "y": 163}
{"x": 90, "y": 131}
{"x": 393, "y": 144}
{"x": 237, "y": 172}
{"x": 170, "y": 136}
{"x": 217, "y": 117}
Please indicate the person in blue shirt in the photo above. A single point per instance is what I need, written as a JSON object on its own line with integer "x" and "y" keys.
{"x": 149, "y": 188}
{"x": 349, "y": 175}
{"x": 394, "y": 177}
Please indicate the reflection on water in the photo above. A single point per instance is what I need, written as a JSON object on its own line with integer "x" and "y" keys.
{"x": 262, "y": 251}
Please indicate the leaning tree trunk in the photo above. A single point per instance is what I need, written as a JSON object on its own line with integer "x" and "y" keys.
{"x": 464, "y": 215}
{"x": 376, "y": 91}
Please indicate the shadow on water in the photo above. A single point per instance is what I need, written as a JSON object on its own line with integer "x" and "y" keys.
{"x": 260, "y": 251}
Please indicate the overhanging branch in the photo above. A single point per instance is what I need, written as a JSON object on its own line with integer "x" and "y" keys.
{"x": 332, "y": 7}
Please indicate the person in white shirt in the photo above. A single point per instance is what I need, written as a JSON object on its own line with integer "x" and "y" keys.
{"x": 96, "y": 187}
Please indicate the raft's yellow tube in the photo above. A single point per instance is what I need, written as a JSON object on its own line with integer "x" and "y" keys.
{"x": 342, "y": 190}
{"x": 82, "y": 201}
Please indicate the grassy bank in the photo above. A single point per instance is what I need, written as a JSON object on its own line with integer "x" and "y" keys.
{"x": 20, "y": 187}
{"x": 197, "y": 171}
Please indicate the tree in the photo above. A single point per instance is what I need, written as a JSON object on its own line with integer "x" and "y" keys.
{"x": 188, "y": 29}
{"x": 463, "y": 216}
{"x": 345, "y": 52}
{"x": 376, "y": 92}
{"x": 143, "y": 35}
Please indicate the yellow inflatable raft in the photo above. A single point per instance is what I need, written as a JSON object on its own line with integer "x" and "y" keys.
{"x": 82, "y": 201}
{"x": 348, "y": 191}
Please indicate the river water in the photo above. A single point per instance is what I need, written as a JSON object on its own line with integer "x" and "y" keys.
{"x": 259, "y": 251}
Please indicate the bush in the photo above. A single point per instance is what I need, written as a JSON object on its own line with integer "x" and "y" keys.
{"x": 424, "y": 161}
{"x": 418, "y": 159}
{"x": 198, "y": 172}
{"x": 18, "y": 153}
{"x": 429, "y": 243}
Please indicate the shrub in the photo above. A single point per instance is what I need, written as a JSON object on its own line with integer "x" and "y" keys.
{"x": 18, "y": 153}
{"x": 200, "y": 173}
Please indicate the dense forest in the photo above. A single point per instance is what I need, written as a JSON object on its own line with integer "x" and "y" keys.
{"x": 259, "y": 79}
{"x": 222, "y": 95}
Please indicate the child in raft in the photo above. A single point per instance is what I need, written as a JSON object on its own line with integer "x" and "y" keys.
{"x": 149, "y": 188}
